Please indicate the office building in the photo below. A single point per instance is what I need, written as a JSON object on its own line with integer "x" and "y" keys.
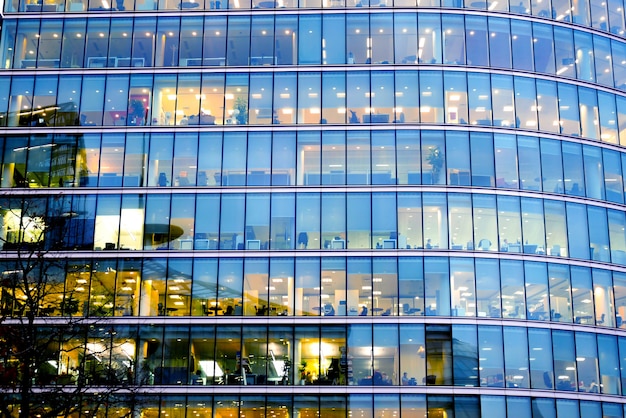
{"x": 318, "y": 208}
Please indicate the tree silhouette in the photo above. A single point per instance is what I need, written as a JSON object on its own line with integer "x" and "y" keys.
{"x": 55, "y": 360}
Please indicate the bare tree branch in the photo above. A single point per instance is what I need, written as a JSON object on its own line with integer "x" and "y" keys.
{"x": 50, "y": 349}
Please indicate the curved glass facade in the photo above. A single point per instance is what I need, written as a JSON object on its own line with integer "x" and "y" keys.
{"x": 313, "y": 158}
{"x": 603, "y": 16}
{"x": 408, "y": 286}
{"x": 314, "y": 209}
{"x": 400, "y": 97}
{"x": 447, "y": 355}
{"x": 277, "y": 39}
{"x": 407, "y": 221}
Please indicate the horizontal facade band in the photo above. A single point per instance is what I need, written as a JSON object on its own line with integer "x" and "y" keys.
{"x": 275, "y": 321}
{"x": 256, "y": 222}
{"x": 257, "y": 357}
{"x": 408, "y": 289}
{"x": 124, "y": 255}
{"x": 216, "y": 100}
{"x": 312, "y": 160}
{"x": 540, "y": 12}
{"x": 338, "y": 391}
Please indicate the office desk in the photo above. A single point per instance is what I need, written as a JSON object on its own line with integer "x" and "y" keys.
{"x": 389, "y": 244}
{"x": 101, "y": 62}
{"x": 191, "y": 62}
{"x": 110, "y": 180}
{"x": 515, "y": 248}
{"x": 357, "y": 178}
{"x": 538, "y": 315}
{"x": 281, "y": 179}
{"x": 132, "y": 181}
{"x": 338, "y": 177}
{"x": 253, "y": 244}
{"x": 382, "y": 178}
{"x": 206, "y": 244}
{"x": 530, "y": 249}
{"x": 129, "y": 62}
{"x": 519, "y": 9}
{"x": 262, "y": 60}
{"x": 259, "y": 178}
{"x": 234, "y": 179}
{"x": 185, "y": 244}
{"x": 378, "y": 118}
{"x": 237, "y": 379}
{"x": 213, "y": 310}
{"x": 47, "y": 63}
{"x": 41, "y": 8}
{"x": 338, "y": 244}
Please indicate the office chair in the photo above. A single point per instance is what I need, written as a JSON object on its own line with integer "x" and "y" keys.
{"x": 484, "y": 244}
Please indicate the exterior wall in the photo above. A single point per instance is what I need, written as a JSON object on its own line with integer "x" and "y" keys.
{"x": 333, "y": 208}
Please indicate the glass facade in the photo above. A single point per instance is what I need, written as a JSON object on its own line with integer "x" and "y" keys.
{"x": 446, "y": 356}
{"x": 314, "y": 208}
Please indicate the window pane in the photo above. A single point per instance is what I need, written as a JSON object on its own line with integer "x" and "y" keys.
{"x": 586, "y": 361}
{"x": 437, "y": 284}
{"x": 516, "y": 357}
{"x": 488, "y": 288}
{"x": 491, "y": 361}
{"x": 608, "y": 359}
{"x": 463, "y": 287}
{"x": 540, "y": 348}
{"x": 413, "y": 367}
{"x": 560, "y": 297}
{"x": 465, "y": 358}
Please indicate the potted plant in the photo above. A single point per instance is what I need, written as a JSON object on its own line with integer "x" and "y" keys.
{"x": 302, "y": 370}
{"x": 136, "y": 112}
{"x": 241, "y": 111}
{"x": 435, "y": 158}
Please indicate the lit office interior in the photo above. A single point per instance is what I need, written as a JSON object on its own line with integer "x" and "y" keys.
{"x": 329, "y": 287}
